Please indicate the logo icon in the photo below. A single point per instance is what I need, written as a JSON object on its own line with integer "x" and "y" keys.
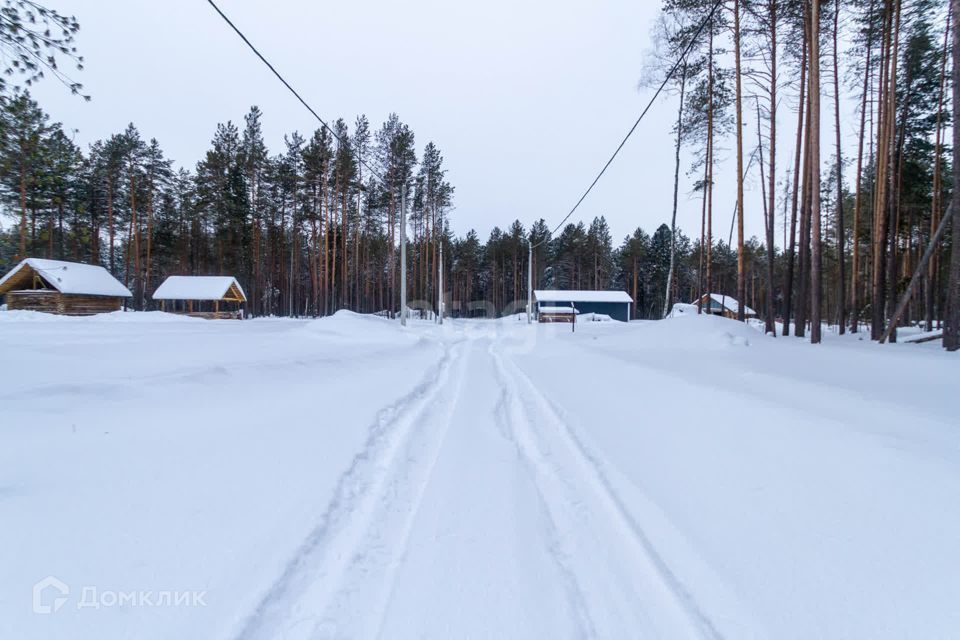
{"x": 52, "y": 585}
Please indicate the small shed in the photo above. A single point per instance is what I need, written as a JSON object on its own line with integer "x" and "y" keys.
{"x": 64, "y": 288}
{"x": 212, "y": 297}
{"x": 615, "y": 304}
{"x": 721, "y": 305}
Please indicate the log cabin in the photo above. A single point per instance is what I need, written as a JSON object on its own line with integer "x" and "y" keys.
{"x": 211, "y": 297}
{"x": 64, "y": 288}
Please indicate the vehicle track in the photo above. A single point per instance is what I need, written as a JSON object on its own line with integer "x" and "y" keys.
{"x": 366, "y": 525}
{"x": 626, "y": 585}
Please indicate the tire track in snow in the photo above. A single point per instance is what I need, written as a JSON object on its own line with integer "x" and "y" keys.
{"x": 415, "y": 475}
{"x": 555, "y": 542}
{"x": 366, "y": 502}
{"x": 624, "y": 581}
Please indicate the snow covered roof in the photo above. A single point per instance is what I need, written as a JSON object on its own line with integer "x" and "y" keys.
{"x": 567, "y": 295}
{"x": 732, "y": 304}
{"x": 197, "y": 288}
{"x": 683, "y": 309}
{"x": 73, "y": 278}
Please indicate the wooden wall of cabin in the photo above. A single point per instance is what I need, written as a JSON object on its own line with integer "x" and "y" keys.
{"x": 39, "y": 300}
{"x": 62, "y": 304}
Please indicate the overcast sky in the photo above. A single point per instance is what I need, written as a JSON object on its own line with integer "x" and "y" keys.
{"x": 525, "y": 98}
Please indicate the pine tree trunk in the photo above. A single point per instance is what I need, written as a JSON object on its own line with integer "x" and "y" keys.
{"x": 23, "y": 211}
{"x": 331, "y": 226}
{"x": 931, "y": 282}
{"x": 391, "y": 270}
{"x": 344, "y": 292}
{"x": 709, "y": 185}
{"x": 325, "y": 266}
{"x": 676, "y": 191}
{"x": 770, "y": 325}
{"x": 110, "y": 231}
{"x": 741, "y": 269}
{"x": 798, "y": 155}
{"x": 50, "y": 235}
{"x": 884, "y": 171}
{"x": 951, "y": 319}
{"x": 816, "y": 248}
{"x": 841, "y": 253}
{"x": 893, "y": 173}
{"x": 803, "y": 290}
{"x": 703, "y": 239}
{"x": 858, "y": 201}
{"x": 146, "y": 281}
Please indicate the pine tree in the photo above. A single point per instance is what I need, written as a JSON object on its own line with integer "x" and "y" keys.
{"x": 25, "y": 126}
{"x": 32, "y": 38}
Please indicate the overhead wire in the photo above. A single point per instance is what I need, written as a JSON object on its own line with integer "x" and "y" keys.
{"x": 666, "y": 79}
{"x": 290, "y": 87}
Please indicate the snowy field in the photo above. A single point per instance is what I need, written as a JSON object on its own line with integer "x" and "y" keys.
{"x": 347, "y": 478}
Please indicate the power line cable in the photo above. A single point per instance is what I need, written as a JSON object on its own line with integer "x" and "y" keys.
{"x": 693, "y": 40}
{"x": 288, "y": 86}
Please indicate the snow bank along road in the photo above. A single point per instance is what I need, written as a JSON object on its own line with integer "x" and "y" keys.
{"x": 346, "y": 478}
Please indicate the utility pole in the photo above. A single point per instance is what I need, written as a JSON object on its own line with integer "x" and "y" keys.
{"x": 440, "y": 286}
{"x": 529, "y": 281}
{"x": 403, "y": 255}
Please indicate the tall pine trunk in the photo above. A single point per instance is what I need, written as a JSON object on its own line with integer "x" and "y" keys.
{"x": 936, "y": 208}
{"x": 858, "y": 198}
{"x": 709, "y": 185}
{"x": 676, "y": 192}
{"x": 951, "y": 319}
{"x": 893, "y": 173}
{"x": 110, "y": 230}
{"x": 798, "y": 155}
{"x": 841, "y": 253}
{"x": 23, "y": 210}
{"x": 741, "y": 270}
{"x": 815, "y": 224}
{"x": 770, "y": 326}
{"x": 803, "y": 291}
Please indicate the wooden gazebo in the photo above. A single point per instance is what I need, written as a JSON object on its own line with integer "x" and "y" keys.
{"x": 212, "y": 297}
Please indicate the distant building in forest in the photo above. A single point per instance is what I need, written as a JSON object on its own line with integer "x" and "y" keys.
{"x": 615, "y": 304}
{"x": 722, "y": 305}
{"x": 202, "y": 296}
{"x": 65, "y": 288}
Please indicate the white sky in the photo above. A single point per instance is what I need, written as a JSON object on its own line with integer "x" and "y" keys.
{"x": 525, "y": 98}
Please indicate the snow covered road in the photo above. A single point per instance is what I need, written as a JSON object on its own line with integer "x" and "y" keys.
{"x": 347, "y": 478}
{"x": 419, "y": 526}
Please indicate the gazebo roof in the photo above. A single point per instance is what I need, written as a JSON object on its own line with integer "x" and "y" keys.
{"x": 199, "y": 288}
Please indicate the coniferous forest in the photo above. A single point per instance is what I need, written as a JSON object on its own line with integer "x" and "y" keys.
{"x": 308, "y": 231}
{"x": 304, "y": 231}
